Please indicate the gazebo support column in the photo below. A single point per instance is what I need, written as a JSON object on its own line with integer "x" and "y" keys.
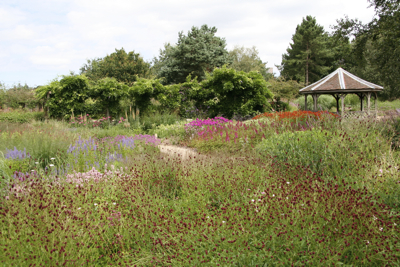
{"x": 342, "y": 96}
{"x": 305, "y": 102}
{"x": 361, "y": 96}
{"x": 315, "y": 98}
{"x": 369, "y": 102}
{"x": 337, "y": 102}
{"x": 375, "y": 105}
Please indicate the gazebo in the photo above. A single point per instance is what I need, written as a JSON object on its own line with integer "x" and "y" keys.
{"x": 340, "y": 83}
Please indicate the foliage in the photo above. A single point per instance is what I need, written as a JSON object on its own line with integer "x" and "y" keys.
{"x": 108, "y": 93}
{"x": 307, "y": 58}
{"x": 143, "y": 91}
{"x": 376, "y": 46}
{"x": 152, "y": 121}
{"x": 124, "y": 67}
{"x": 180, "y": 98}
{"x": 247, "y": 59}
{"x": 196, "y": 53}
{"x": 65, "y": 97}
{"x": 285, "y": 89}
{"x": 228, "y": 91}
{"x": 19, "y": 116}
{"x": 176, "y": 130}
{"x": 19, "y": 96}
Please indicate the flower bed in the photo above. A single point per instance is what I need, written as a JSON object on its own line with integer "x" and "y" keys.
{"x": 299, "y": 114}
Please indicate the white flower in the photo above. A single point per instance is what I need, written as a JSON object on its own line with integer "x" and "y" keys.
{"x": 79, "y": 208}
{"x": 394, "y": 224}
{"x": 32, "y": 170}
{"x": 223, "y": 221}
{"x": 52, "y": 158}
{"x": 288, "y": 182}
{"x": 262, "y": 193}
{"x": 95, "y": 204}
{"x": 367, "y": 241}
{"x": 381, "y": 229}
{"x": 256, "y": 210}
{"x": 51, "y": 165}
{"x": 374, "y": 217}
{"x": 115, "y": 203}
{"x": 252, "y": 200}
{"x": 273, "y": 195}
{"x": 36, "y": 162}
{"x": 208, "y": 217}
{"x": 259, "y": 200}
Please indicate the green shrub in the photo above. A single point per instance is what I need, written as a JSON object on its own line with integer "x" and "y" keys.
{"x": 20, "y": 116}
{"x": 164, "y": 131}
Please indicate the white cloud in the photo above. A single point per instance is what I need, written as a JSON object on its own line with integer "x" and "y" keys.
{"x": 59, "y": 35}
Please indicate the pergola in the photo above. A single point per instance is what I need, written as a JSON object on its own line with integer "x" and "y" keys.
{"x": 340, "y": 83}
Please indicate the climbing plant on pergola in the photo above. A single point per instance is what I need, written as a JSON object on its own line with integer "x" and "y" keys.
{"x": 339, "y": 84}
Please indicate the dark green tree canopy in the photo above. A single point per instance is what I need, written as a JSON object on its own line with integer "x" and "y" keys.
{"x": 376, "y": 46}
{"x": 124, "y": 67}
{"x": 196, "y": 53}
{"x": 308, "y": 57}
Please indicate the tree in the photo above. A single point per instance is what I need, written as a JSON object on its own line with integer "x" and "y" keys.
{"x": 143, "y": 91}
{"x": 227, "y": 91}
{"x": 196, "y": 53}
{"x": 376, "y": 46}
{"x": 109, "y": 92}
{"x": 308, "y": 57}
{"x": 65, "y": 97}
{"x": 124, "y": 67}
{"x": 247, "y": 59}
{"x": 287, "y": 89}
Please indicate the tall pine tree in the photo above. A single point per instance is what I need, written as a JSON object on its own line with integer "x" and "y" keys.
{"x": 308, "y": 57}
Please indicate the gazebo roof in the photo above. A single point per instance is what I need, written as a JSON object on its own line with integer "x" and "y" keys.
{"x": 340, "y": 81}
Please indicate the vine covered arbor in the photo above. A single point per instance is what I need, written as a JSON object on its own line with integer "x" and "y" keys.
{"x": 339, "y": 84}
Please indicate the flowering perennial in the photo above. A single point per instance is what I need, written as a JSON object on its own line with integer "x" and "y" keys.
{"x": 299, "y": 114}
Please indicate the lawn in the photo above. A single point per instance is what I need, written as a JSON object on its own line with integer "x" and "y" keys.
{"x": 286, "y": 189}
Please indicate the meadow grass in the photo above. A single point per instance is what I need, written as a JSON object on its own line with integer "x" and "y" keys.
{"x": 325, "y": 194}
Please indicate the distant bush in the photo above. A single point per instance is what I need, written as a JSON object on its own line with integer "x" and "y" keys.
{"x": 21, "y": 117}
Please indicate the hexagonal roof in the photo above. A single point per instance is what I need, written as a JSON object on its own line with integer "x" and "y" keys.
{"x": 340, "y": 81}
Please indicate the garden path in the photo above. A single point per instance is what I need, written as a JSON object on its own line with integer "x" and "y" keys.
{"x": 183, "y": 152}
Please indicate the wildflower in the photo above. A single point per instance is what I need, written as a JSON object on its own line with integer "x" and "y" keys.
{"x": 36, "y": 162}
{"x": 288, "y": 182}
{"x": 262, "y": 193}
{"x": 381, "y": 229}
{"x": 273, "y": 195}
{"x": 115, "y": 203}
{"x": 223, "y": 221}
{"x": 252, "y": 200}
{"x": 374, "y": 217}
{"x": 51, "y": 165}
{"x": 95, "y": 204}
{"x": 259, "y": 200}
{"x": 52, "y": 158}
{"x": 79, "y": 208}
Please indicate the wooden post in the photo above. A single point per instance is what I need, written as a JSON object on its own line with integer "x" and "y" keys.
{"x": 305, "y": 101}
{"x": 315, "y": 98}
{"x": 376, "y": 106}
{"x": 342, "y": 96}
{"x": 368, "y": 103}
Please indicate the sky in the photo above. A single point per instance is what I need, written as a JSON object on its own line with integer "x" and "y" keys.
{"x": 43, "y": 39}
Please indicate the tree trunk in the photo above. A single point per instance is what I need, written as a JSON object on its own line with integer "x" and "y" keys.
{"x": 307, "y": 67}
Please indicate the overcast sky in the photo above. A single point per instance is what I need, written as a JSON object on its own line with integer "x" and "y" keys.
{"x": 41, "y": 39}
